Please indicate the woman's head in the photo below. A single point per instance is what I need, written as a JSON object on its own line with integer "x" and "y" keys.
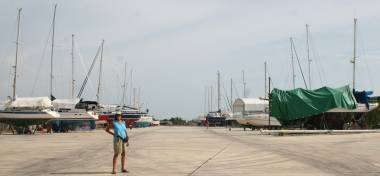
{"x": 118, "y": 116}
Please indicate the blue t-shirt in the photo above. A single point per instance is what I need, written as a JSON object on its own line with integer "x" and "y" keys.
{"x": 119, "y": 130}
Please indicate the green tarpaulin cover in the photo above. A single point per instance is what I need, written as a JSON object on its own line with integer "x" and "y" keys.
{"x": 299, "y": 103}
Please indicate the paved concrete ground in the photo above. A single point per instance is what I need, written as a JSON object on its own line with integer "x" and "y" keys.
{"x": 192, "y": 151}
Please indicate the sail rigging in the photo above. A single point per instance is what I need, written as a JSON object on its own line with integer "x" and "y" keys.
{"x": 100, "y": 73}
{"x": 298, "y": 61}
{"x": 89, "y": 72}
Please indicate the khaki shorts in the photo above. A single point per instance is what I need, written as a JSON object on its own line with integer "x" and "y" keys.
{"x": 119, "y": 147}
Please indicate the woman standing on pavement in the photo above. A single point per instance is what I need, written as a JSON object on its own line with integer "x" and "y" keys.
{"x": 120, "y": 141}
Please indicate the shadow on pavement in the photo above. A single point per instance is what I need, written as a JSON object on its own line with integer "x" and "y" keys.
{"x": 78, "y": 173}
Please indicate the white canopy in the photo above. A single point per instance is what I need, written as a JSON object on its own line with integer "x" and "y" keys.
{"x": 30, "y": 102}
{"x": 65, "y": 103}
{"x": 2, "y": 105}
{"x": 250, "y": 104}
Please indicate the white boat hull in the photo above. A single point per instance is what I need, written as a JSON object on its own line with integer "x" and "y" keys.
{"x": 78, "y": 115}
{"x": 260, "y": 120}
{"x": 45, "y": 114}
{"x": 360, "y": 108}
{"x": 25, "y": 118}
{"x": 146, "y": 119}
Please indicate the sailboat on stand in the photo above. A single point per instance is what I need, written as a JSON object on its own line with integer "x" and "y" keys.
{"x": 75, "y": 112}
{"x": 323, "y": 108}
{"x": 21, "y": 112}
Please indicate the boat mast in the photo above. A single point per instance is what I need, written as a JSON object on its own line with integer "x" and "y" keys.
{"x": 211, "y": 97}
{"x": 125, "y": 82}
{"x": 15, "y": 67}
{"x": 138, "y": 97}
{"x": 269, "y": 102}
{"x": 244, "y": 84}
{"x": 265, "y": 80}
{"x": 354, "y": 59}
{"x": 231, "y": 93}
{"x": 205, "y": 101}
{"x": 72, "y": 67}
{"x": 52, "y": 55}
{"x": 100, "y": 73}
{"x": 308, "y": 54}
{"x": 134, "y": 97}
{"x": 131, "y": 88}
{"x": 292, "y": 55}
{"x": 208, "y": 98}
{"x": 218, "y": 73}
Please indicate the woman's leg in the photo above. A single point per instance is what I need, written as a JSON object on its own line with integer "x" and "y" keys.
{"x": 114, "y": 163}
{"x": 123, "y": 156}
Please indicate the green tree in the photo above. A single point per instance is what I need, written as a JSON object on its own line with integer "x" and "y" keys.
{"x": 177, "y": 121}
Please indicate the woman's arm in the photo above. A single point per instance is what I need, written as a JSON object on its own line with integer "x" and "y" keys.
{"x": 108, "y": 129}
{"x": 127, "y": 142}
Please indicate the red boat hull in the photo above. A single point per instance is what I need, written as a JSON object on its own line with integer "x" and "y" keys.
{"x": 109, "y": 117}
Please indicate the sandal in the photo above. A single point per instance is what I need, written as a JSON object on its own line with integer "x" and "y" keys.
{"x": 113, "y": 172}
{"x": 124, "y": 171}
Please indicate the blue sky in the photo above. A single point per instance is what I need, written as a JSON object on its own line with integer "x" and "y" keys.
{"x": 176, "y": 47}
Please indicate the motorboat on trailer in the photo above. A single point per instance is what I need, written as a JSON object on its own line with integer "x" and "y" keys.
{"x": 132, "y": 115}
{"x": 27, "y": 111}
{"x": 144, "y": 121}
{"x": 76, "y": 109}
{"x": 75, "y": 115}
{"x": 216, "y": 118}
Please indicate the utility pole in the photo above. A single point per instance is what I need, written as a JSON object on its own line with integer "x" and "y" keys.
{"x": 354, "y": 59}
{"x": 52, "y": 54}
{"x": 100, "y": 73}
{"x": 15, "y": 66}
{"x": 72, "y": 67}
{"x": 244, "y": 85}
{"x": 308, "y": 54}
